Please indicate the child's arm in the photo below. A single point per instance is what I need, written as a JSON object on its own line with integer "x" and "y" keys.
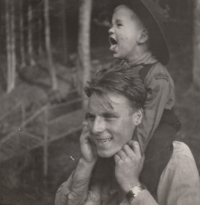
{"x": 159, "y": 85}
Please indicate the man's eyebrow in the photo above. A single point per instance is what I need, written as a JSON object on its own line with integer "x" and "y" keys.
{"x": 109, "y": 114}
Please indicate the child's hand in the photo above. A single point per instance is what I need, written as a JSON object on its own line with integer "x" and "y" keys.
{"x": 88, "y": 149}
{"x": 128, "y": 165}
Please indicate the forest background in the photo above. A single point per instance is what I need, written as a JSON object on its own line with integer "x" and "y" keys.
{"x": 49, "y": 49}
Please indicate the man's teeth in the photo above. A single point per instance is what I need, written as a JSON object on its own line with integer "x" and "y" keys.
{"x": 104, "y": 141}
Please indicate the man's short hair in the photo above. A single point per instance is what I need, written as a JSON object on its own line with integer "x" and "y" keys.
{"x": 121, "y": 80}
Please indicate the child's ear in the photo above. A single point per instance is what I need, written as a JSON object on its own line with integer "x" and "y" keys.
{"x": 144, "y": 36}
{"x": 137, "y": 117}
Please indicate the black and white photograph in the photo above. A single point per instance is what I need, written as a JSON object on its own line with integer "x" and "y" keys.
{"x": 99, "y": 102}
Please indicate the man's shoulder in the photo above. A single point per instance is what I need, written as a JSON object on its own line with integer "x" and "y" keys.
{"x": 181, "y": 149}
{"x": 181, "y": 163}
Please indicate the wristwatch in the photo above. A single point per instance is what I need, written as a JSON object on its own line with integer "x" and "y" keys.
{"x": 134, "y": 191}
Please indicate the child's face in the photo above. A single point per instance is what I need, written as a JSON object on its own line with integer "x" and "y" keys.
{"x": 124, "y": 33}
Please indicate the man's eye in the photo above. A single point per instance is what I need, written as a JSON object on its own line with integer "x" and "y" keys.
{"x": 90, "y": 117}
{"x": 109, "y": 118}
{"x": 119, "y": 24}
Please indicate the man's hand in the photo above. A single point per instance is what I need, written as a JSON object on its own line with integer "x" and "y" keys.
{"x": 128, "y": 165}
{"x": 88, "y": 149}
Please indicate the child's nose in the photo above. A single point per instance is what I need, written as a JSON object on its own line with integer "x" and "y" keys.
{"x": 111, "y": 31}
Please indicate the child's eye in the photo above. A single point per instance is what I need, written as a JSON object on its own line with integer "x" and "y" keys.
{"x": 119, "y": 24}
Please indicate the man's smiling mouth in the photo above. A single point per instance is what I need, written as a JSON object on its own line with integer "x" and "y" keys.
{"x": 104, "y": 141}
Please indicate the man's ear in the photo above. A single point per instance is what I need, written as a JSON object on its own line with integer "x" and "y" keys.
{"x": 144, "y": 36}
{"x": 137, "y": 117}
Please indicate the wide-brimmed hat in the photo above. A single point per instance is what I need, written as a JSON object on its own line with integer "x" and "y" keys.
{"x": 149, "y": 9}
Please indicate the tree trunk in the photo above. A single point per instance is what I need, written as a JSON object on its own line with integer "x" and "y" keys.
{"x": 196, "y": 46}
{"x": 84, "y": 45}
{"x": 8, "y": 44}
{"x": 48, "y": 46}
{"x": 65, "y": 48}
{"x": 40, "y": 30}
{"x": 30, "y": 38}
{"x": 13, "y": 55}
{"x": 21, "y": 29}
{"x": 10, "y": 35}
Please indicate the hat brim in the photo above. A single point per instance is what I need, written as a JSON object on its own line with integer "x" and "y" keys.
{"x": 158, "y": 15}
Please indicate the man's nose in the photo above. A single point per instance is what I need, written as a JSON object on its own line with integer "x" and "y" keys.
{"x": 98, "y": 126}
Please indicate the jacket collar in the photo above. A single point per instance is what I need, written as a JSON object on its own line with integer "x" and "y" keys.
{"x": 146, "y": 58}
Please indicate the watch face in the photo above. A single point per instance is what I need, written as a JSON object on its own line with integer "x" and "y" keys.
{"x": 134, "y": 192}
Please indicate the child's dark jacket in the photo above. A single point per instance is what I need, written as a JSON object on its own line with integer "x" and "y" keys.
{"x": 160, "y": 96}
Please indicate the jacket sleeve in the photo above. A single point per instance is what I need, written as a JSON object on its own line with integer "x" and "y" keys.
{"x": 179, "y": 183}
{"x": 75, "y": 190}
{"x": 71, "y": 193}
{"x": 158, "y": 89}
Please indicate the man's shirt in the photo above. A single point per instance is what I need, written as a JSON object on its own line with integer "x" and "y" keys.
{"x": 179, "y": 185}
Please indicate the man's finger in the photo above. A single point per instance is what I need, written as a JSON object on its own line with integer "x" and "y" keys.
{"x": 85, "y": 134}
{"x": 85, "y": 123}
{"x": 129, "y": 152}
{"x": 84, "y": 130}
{"x": 121, "y": 154}
{"x": 136, "y": 148}
{"x": 116, "y": 158}
{"x": 130, "y": 143}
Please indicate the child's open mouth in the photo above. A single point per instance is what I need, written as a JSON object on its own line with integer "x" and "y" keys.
{"x": 113, "y": 44}
{"x": 112, "y": 41}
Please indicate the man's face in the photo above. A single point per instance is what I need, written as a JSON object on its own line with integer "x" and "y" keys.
{"x": 110, "y": 127}
{"x": 124, "y": 33}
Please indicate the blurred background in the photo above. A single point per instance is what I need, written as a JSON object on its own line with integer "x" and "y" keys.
{"x": 49, "y": 49}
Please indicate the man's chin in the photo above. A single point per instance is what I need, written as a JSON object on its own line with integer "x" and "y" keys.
{"x": 105, "y": 154}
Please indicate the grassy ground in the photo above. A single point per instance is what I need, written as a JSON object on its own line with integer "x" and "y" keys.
{"x": 32, "y": 189}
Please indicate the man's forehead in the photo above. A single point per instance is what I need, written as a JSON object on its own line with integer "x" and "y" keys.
{"x": 110, "y": 102}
